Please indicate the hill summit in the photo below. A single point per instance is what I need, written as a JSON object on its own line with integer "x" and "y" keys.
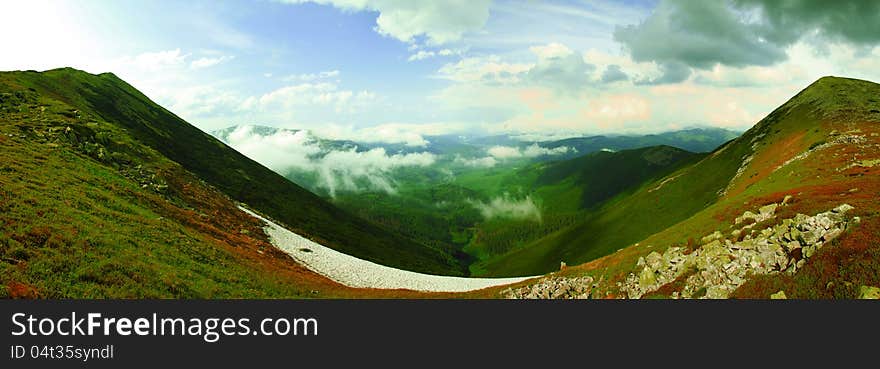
{"x": 787, "y": 209}
{"x": 91, "y": 164}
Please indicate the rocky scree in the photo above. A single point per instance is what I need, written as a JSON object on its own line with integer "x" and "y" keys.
{"x": 720, "y": 265}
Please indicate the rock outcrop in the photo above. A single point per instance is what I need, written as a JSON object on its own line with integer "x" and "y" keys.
{"x": 554, "y": 288}
{"x": 720, "y": 266}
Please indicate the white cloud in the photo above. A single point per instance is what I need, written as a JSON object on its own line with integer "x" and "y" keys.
{"x": 409, "y": 134}
{"x": 206, "y": 62}
{"x": 201, "y": 101}
{"x": 61, "y": 40}
{"x": 506, "y": 207}
{"x": 336, "y": 170}
{"x": 388, "y": 133}
{"x": 439, "y": 22}
{"x": 484, "y": 162}
{"x": 425, "y": 54}
{"x": 477, "y": 69}
{"x": 551, "y": 50}
{"x": 421, "y": 55}
{"x": 722, "y": 96}
{"x": 308, "y": 77}
{"x": 531, "y": 151}
{"x": 288, "y": 99}
{"x": 534, "y": 151}
{"x": 560, "y": 69}
{"x": 154, "y": 61}
{"x": 340, "y": 169}
{"x": 557, "y": 67}
{"x": 504, "y": 152}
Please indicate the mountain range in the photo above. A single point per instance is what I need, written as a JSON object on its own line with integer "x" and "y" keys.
{"x": 107, "y": 194}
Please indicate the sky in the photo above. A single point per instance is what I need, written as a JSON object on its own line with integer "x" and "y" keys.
{"x": 400, "y": 70}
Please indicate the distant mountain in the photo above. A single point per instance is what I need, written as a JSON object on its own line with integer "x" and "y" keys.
{"x": 693, "y": 140}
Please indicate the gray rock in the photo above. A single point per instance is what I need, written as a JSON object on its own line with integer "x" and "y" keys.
{"x": 712, "y": 237}
{"x": 843, "y": 208}
{"x": 786, "y": 200}
{"x": 723, "y": 265}
{"x": 767, "y": 211}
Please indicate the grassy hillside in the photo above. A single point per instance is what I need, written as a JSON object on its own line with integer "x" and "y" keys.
{"x": 680, "y": 195}
{"x": 602, "y": 175}
{"x": 568, "y": 191}
{"x": 107, "y": 194}
{"x": 822, "y": 148}
{"x": 438, "y": 204}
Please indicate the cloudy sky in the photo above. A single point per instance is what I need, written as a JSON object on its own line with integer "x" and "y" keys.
{"x": 399, "y": 69}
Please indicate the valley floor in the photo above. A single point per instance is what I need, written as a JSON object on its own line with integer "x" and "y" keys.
{"x": 354, "y": 272}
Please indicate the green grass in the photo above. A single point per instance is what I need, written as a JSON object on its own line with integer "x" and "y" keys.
{"x": 111, "y": 100}
{"x": 72, "y": 227}
{"x": 828, "y": 107}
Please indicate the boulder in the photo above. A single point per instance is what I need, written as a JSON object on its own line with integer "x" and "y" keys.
{"x": 745, "y": 216}
{"x": 832, "y": 234}
{"x": 843, "y": 208}
{"x": 654, "y": 260}
{"x": 767, "y": 211}
{"x": 712, "y": 237}
{"x": 647, "y": 279}
{"x": 809, "y": 251}
{"x": 786, "y": 200}
{"x": 716, "y": 292}
{"x": 778, "y": 296}
{"x": 869, "y": 292}
{"x": 792, "y": 245}
{"x": 823, "y": 221}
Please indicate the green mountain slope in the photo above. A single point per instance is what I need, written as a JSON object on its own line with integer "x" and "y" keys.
{"x": 686, "y": 203}
{"x": 111, "y": 100}
{"x": 603, "y": 175}
{"x": 567, "y": 192}
{"x": 805, "y": 160}
{"x": 629, "y": 218}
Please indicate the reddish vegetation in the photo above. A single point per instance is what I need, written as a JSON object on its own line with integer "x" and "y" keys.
{"x": 823, "y": 180}
{"x": 837, "y": 271}
{"x": 768, "y": 159}
{"x": 18, "y": 290}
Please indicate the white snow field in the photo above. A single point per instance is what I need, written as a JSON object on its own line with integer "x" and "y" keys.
{"x": 354, "y": 272}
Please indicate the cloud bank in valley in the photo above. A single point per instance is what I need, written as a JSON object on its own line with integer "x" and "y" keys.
{"x": 336, "y": 169}
{"x": 505, "y": 207}
{"x": 497, "y": 154}
{"x": 531, "y": 151}
{"x": 485, "y": 162}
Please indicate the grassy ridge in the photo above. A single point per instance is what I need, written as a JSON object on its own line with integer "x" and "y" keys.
{"x": 114, "y": 101}
{"x": 843, "y": 113}
{"x": 78, "y": 220}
